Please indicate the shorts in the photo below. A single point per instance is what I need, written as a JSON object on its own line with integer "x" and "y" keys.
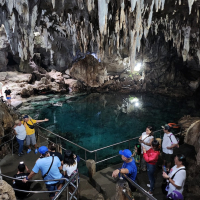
{"x": 52, "y": 187}
{"x": 30, "y": 139}
{"x": 8, "y": 97}
{"x": 167, "y": 157}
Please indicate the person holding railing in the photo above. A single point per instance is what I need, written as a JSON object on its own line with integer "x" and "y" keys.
{"x": 30, "y": 131}
{"x": 20, "y": 132}
{"x": 50, "y": 167}
{"x": 146, "y": 140}
{"x": 151, "y": 157}
{"x": 129, "y": 167}
{"x": 19, "y": 184}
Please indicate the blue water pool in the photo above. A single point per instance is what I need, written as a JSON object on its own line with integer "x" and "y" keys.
{"x": 97, "y": 120}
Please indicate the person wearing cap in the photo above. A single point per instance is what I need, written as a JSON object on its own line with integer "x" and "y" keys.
{"x": 19, "y": 184}
{"x": 169, "y": 142}
{"x": 129, "y": 167}
{"x": 20, "y": 132}
{"x": 30, "y": 131}
{"x": 176, "y": 178}
{"x": 50, "y": 167}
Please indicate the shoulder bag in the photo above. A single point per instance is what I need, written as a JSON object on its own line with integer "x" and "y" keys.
{"x": 49, "y": 168}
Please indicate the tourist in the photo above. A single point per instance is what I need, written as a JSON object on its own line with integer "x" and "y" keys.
{"x": 19, "y": 184}
{"x": 151, "y": 157}
{"x": 50, "y": 167}
{"x": 20, "y": 132}
{"x": 70, "y": 166}
{"x": 169, "y": 142}
{"x": 136, "y": 154}
{"x": 146, "y": 140}
{"x": 52, "y": 151}
{"x": 1, "y": 87}
{"x": 30, "y": 131}
{"x": 8, "y": 96}
{"x": 177, "y": 175}
{"x": 128, "y": 167}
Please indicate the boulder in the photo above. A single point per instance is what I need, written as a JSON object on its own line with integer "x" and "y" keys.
{"x": 6, "y": 191}
{"x": 3, "y": 76}
{"x": 90, "y": 71}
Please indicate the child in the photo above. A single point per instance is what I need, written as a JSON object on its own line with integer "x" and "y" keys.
{"x": 136, "y": 154}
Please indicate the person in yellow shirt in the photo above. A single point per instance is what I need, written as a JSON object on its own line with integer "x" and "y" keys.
{"x": 30, "y": 131}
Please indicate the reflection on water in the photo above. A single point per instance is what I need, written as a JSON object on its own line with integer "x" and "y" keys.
{"x": 98, "y": 120}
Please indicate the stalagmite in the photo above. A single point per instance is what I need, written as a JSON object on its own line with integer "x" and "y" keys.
{"x": 190, "y": 3}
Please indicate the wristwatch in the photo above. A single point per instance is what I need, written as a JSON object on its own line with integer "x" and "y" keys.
{"x": 27, "y": 178}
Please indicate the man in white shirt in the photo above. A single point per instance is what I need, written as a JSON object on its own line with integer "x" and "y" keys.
{"x": 169, "y": 142}
{"x": 20, "y": 133}
{"x": 177, "y": 176}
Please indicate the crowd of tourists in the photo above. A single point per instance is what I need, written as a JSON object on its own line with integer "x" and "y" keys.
{"x": 145, "y": 157}
{"x": 50, "y": 163}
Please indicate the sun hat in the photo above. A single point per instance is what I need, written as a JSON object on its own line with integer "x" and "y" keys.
{"x": 43, "y": 149}
{"x": 126, "y": 153}
{"x": 175, "y": 195}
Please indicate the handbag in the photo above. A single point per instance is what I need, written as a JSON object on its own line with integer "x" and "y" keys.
{"x": 165, "y": 184}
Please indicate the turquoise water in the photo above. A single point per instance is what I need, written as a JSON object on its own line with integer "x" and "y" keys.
{"x": 97, "y": 120}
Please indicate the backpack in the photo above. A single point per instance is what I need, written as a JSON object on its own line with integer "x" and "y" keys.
{"x": 177, "y": 139}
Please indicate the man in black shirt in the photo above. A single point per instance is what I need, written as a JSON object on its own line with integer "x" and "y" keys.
{"x": 19, "y": 184}
{"x": 8, "y": 96}
{"x": 52, "y": 151}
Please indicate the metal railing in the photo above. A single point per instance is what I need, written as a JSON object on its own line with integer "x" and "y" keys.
{"x": 10, "y": 140}
{"x": 142, "y": 190}
{"x": 59, "y": 192}
{"x": 39, "y": 128}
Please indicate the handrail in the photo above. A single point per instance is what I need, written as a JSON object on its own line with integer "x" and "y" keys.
{"x": 6, "y": 135}
{"x": 64, "y": 186}
{"x": 139, "y": 188}
{"x": 7, "y": 141}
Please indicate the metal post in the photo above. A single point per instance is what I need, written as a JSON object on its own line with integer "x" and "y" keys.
{"x": 85, "y": 155}
{"x": 67, "y": 193}
{"x": 12, "y": 146}
{"x": 129, "y": 144}
{"x": 95, "y": 156}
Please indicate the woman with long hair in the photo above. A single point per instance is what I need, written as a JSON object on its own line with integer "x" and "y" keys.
{"x": 146, "y": 139}
{"x": 151, "y": 157}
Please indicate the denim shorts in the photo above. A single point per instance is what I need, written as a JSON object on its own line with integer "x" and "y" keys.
{"x": 52, "y": 187}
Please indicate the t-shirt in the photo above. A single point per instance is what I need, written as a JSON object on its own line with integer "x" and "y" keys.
{"x": 131, "y": 166}
{"x": 70, "y": 169}
{"x": 7, "y": 92}
{"x": 179, "y": 179}
{"x": 43, "y": 165}
{"x": 146, "y": 140}
{"x": 21, "y": 132}
{"x": 21, "y": 185}
{"x": 59, "y": 155}
{"x": 1, "y": 85}
{"x": 167, "y": 143}
{"x": 29, "y": 131}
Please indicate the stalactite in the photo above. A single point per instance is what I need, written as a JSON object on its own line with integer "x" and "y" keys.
{"x": 133, "y": 4}
{"x": 186, "y": 47}
{"x": 190, "y": 3}
{"x": 102, "y": 12}
{"x": 53, "y": 3}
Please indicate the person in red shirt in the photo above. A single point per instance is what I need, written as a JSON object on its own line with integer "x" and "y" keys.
{"x": 151, "y": 158}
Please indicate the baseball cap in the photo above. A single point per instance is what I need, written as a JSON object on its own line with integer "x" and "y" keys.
{"x": 126, "y": 152}
{"x": 43, "y": 149}
{"x": 25, "y": 116}
{"x": 166, "y": 127}
{"x": 175, "y": 195}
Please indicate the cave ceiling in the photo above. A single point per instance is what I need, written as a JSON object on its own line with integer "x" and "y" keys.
{"x": 118, "y": 32}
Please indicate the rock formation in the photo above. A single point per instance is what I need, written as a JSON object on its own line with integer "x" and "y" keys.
{"x": 6, "y": 191}
{"x": 162, "y": 35}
